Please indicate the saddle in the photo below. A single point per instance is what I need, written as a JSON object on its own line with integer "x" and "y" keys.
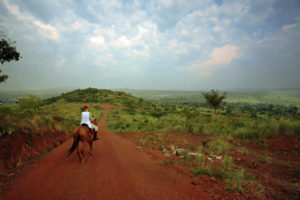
{"x": 91, "y": 130}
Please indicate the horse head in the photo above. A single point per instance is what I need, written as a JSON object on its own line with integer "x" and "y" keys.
{"x": 94, "y": 121}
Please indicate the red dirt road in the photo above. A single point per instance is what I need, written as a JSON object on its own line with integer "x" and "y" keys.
{"x": 117, "y": 170}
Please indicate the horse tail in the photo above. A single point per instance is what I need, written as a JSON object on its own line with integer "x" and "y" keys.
{"x": 76, "y": 139}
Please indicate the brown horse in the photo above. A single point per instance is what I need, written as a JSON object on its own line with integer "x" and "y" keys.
{"x": 81, "y": 138}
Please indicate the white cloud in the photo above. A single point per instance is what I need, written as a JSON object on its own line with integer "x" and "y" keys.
{"x": 121, "y": 42}
{"x": 73, "y": 23}
{"x": 46, "y": 30}
{"x": 177, "y": 48}
{"x": 218, "y": 57}
{"x": 141, "y": 53}
{"x": 222, "y": 55}
{"x": 290, "y": 26}
{"x": 217, "y": 28}
{"x": 96, "y": 40}
{"x": 103, "y": 60}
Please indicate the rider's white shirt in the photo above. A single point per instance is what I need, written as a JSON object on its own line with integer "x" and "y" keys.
{"x": 85, "y": 118}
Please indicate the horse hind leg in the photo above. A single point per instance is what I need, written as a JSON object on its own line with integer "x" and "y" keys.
{"x": 81, "y": 152}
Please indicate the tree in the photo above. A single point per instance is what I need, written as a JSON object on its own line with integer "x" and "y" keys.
{"x": 214, "y": 99}
{"x": 30, "y": 102}
{"x": 8, "y": 52}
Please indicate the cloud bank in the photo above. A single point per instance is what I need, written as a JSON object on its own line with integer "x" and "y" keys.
{"x": 154, "y": 44}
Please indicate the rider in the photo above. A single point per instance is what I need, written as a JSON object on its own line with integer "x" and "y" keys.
{"x": 85, "y": 119}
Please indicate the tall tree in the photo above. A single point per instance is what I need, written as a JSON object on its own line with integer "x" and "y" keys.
{"x": 8, "y": 52}
{"x": 214, "y": 99}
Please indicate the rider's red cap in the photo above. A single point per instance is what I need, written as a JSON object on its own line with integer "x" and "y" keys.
{"x": 85, "y": 107}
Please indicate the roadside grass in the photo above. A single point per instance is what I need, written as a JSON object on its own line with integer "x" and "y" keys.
{"x": 224, "y": 135}
{"x": 218, "y": 146}
{"x": 59, "y": 116}
{"x": 225, "y": 169}
{"x": 237, "y": 125}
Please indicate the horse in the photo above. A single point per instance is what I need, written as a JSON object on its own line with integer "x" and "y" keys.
{"x": 81, "y": 138}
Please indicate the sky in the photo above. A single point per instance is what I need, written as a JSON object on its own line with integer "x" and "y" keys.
{"x": 159, "y": 44}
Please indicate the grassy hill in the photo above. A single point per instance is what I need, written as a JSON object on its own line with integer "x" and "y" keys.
{"x": 101, "y": 96}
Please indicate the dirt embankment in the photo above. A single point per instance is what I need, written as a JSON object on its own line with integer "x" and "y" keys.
{"x": 17, "y": 150}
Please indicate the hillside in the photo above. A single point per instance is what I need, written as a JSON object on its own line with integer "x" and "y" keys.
{"x": 100, "y": 96}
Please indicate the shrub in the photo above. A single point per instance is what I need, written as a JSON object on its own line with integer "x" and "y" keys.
{"x": 235, "y": 180}
{"x": 296, "y": 128}
{"x": 239, "y": 178}
{"x": 219, "y": 146}
{"x": 201, "y": 170}
{"x": 227, "y": 162}
{"x": 30, "y": 102}
{"x": 245, "y": 151}
{"x": 284, "y": 127}
{"x": 242, "y": 133}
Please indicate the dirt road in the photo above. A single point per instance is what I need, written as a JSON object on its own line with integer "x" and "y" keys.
{"x": 117, "y": 170}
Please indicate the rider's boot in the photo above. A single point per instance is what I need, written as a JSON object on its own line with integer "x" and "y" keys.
{"x": 95, "y": 135}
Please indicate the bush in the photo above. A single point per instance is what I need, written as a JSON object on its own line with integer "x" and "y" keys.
{"x": 296, "y": 128}
{"x": 218, "y": 146}
{"x": 227, "y": 162}
{"x": 243, "y": 133}
{"x": 30, "y": 102}
{"x": 201, "y": 170}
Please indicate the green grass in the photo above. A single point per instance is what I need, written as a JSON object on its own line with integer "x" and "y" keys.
{"x": 187, "y": 119}
{"x": 93, "y": 95}
{"x": 58, "y": 116}
{"x": 47, "y": 150}
{"x": 227, "y": 163}
{"x": 281, "y": 97}
{"x": 202, "y": 169}
{"x": 218, "y": 146}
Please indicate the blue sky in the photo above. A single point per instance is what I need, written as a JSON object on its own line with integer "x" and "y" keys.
{"x": 170, "y": 44}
